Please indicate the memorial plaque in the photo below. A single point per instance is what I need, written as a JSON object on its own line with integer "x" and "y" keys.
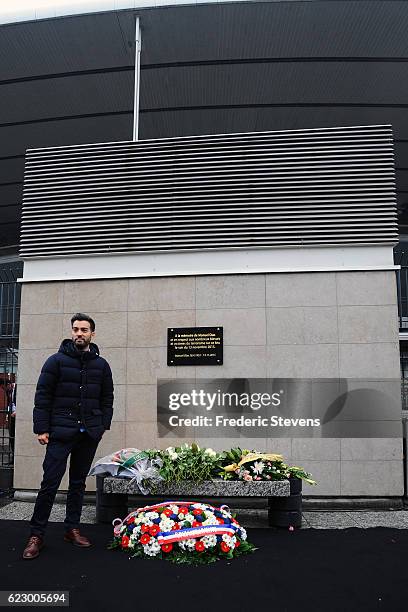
{"x": 194, "y": 346}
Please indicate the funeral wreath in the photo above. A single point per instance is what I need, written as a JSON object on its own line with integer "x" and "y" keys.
{"x": 181, "y": 532}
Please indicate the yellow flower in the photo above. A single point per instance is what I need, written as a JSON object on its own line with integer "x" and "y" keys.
{"x": 231, "y": 468}
{"x": 254, "y": 456}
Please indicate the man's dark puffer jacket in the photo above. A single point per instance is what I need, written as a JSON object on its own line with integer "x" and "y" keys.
{"x": 74, "y": 387}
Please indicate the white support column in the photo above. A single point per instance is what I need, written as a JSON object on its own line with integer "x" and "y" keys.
{"x": 138, "y": 46}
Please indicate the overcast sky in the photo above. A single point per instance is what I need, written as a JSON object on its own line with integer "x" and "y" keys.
{"x": 47, "y": 8}
{"x": 10, "y": 5}
{"x": 22, "y": 10}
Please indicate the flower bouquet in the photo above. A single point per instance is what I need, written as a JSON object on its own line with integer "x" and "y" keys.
{"x": 181, "y": 532}
{"x": 185, "y": 462}
{"x": 130, "y": 463}
{"x": 250, "y": 465}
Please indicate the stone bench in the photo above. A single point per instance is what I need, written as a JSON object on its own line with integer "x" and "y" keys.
{"x": 284, "y": 496}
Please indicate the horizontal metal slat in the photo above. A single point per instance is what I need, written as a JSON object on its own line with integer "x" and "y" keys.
{"x": 320, "y": 133}
{"x": 126, "y": 217}
{"x": 328, "y": 186}
{"x": 208, "y": 153}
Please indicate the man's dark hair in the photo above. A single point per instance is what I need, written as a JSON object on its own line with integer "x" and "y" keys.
{"x": 80, "y": 316}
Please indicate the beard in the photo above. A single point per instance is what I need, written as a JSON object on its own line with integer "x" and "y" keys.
{"x": 81, "y": 344}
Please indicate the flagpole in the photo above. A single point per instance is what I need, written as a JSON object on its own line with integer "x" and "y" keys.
{"x": 138, "y": 46}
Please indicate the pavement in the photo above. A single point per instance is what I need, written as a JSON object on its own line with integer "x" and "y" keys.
{"x": 363, "y": 519}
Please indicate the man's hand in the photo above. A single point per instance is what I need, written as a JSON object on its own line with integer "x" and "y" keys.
{"x": 43, "y": 438}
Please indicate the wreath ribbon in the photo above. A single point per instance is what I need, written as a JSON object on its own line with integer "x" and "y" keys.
{"x": 118, "y": 523}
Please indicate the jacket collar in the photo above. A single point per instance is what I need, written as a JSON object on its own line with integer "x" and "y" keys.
{"x": 68, "y": 348}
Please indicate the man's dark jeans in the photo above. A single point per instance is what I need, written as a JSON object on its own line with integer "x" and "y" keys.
{"x": 82, "y": 449}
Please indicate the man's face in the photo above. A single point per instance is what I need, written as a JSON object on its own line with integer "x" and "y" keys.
{"x": 82, "y": 334}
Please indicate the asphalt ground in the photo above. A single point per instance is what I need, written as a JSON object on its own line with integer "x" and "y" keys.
{"x": 321, "y": 570}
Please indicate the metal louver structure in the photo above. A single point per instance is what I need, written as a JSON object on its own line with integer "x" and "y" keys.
{"x": 314, "y": 187}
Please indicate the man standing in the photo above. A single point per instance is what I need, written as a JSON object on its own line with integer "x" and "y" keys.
{"x": 72, "y": 409}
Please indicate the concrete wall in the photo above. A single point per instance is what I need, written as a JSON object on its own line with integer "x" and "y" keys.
{"x": 337, "y": 324}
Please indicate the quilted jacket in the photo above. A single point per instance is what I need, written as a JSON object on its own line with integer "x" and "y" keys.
{"x": 74, "y": 390}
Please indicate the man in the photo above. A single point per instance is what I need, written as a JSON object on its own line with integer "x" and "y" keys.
{"x": 72, "y": 409}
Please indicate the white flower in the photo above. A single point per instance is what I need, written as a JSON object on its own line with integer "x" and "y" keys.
{"x": 190, "y": 544}
{"x": 209, "y": 515}
{"x": 210, "y": 452}
{"x": 152, "y": 549}
{"x": 189, "y": 518}
{"x": 134, "y": 536}
{"x": 209, "y": 521}
{"x": 229, "y": 540}
{"x": 171, "y": 451}
{"x": 166, "y": 524}
{"x": 152, "y": 515}
{"x": 147, "y": 521}
{"x": 174, "y": 509}
{"x": 136, "y": 532}
{"x": 182, "y": 545}
{"x": 209, "y": 541}
{"x": 243, "y": 534}
{"x": 188, "y": 447}
{"x": 258, "y": 467}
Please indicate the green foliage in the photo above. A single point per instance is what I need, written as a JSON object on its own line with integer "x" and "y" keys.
{"x": 228, "y": 457}
{"x": 298, "y": 472}
{"x": 270, "y": 470}
{"x": 234, "y": 455}
{"x": 185, "y": 557}
{"x": 138, "y": 552}
{"x": 188, "y": 462}
{"x": 191, "y": 558}
{"x": 245, "y": 548}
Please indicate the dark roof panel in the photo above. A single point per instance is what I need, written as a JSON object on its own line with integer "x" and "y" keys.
{"x": 52, "y": 46}
{"x": 13, "y": 213}
{"x": 11, "y": 195}
{"x": 282, "y": 83}
{"x": 332, "y": 28}
{"x": 64, "y": 97}
{"x": 14, "y": 140}
{"x": 11, "y": 170}
{"x": 191, "y": 122}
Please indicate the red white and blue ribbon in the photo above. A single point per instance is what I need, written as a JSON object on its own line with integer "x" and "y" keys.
{"x": 167, "y": 537}
{"x": 118, "y": 523}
